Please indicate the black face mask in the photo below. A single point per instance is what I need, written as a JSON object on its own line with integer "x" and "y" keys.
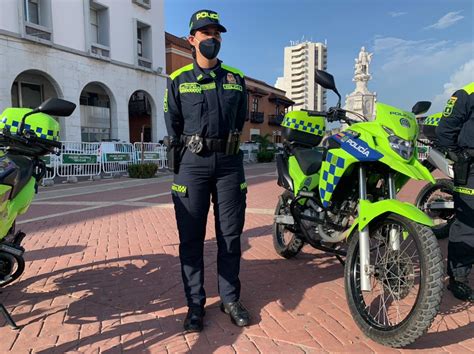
{"x": 209, "y": 48}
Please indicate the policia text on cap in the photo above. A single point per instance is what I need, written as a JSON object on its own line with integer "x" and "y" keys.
{"x": 205, "y": 107}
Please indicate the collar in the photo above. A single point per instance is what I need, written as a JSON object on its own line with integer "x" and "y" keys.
{"x": 201, "y": 75}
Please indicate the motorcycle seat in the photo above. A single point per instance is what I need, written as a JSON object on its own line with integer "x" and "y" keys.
{"x": 310, "y": 160}
{"x": 19, "y": 175}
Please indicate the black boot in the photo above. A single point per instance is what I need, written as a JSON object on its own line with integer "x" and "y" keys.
{"x": 237, "y": 312}
{"x": 194, "y": 320}
{"x": 461, "y": 290}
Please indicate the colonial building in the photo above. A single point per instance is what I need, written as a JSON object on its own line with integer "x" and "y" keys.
{"x": 107, "y": 56}
{"x": 266, "y": 104}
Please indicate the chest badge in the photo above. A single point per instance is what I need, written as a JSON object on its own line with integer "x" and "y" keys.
{"x": 231, "y": 79}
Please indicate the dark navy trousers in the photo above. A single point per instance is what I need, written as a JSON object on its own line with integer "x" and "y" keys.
{"x": 461, "y": 234}
{"x": 202, "y": 178}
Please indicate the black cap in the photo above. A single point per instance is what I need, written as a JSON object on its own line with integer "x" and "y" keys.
{"x": 203, "y": 18}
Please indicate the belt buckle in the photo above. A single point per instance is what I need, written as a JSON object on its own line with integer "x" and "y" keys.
{"x": 195, "y": 144}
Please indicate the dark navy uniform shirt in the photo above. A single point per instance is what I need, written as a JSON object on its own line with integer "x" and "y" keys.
{"x": 456, "y": 128}
{"x": 209, "y": 102}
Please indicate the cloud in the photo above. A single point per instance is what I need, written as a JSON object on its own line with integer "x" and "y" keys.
{"x": 447, "y": 20}
{"x": 461, "y": 77}
{"x": 405, "y": 71}
{"x": 417, "y": 57}
{"x": 397, "y": 14}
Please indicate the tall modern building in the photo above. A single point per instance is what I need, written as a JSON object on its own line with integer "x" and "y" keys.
{"x": 301, "y": 61}
{"x": 107, "y": 56}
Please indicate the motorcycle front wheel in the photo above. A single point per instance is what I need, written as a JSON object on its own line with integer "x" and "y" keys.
{"x": 406, "y": 283}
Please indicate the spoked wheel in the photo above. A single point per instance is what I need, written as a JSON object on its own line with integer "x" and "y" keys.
{"x": 406, "y": 283}
{"x": 441, "y": 191}
{"x": 287, "y": 244}
{"x": 11, "y": 267}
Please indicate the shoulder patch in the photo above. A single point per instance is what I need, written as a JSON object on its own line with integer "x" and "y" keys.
{"x": 178, "y": 72}
{"x": 233, "y": 70}
{"x": 449, "y": 106}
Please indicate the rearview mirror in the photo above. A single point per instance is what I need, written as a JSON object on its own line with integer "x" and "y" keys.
{"x": 325, "y": 79}
{"x": 56, "y": 107}
{"x": 421, "y": 107}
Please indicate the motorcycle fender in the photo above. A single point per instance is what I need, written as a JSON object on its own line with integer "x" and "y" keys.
{"x": 22, "y": 201}
{"x": 369, "y": 211}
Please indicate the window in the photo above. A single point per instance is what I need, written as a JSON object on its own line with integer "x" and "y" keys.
{"x": 143, "y": 45}
{"x": 32, "y": 11}
{"x": 37, "y": 20}
{"x": 255, "y": 104}
{"x": 99, "y": 24}
{"x": 139, "y": 42}
{"x": 94, "y": 26}
{"x": 27, "y": 95}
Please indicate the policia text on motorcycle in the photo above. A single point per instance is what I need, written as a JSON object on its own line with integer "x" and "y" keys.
{"x": 205, "y": 107}
{"x": 456, "y": 133}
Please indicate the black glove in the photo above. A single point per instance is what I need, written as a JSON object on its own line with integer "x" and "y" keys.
{"x": 336, "y": 114}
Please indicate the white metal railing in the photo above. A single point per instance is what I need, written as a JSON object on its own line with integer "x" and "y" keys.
{"x": 152, "y": 153}
{"x": 78, "y": 159}
{"x": 116, "y": 157}
{"x": 50, "y": 162}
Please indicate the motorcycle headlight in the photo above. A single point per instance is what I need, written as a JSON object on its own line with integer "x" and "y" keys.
{"x": 402, "y": 147}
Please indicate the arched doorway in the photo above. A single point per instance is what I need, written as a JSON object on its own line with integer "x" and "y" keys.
{"x": 95, "y": 107}
{"x": 32, "y": 87}
{"x": 140, "y": 111}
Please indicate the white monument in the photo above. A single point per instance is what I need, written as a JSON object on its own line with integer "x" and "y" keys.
{"x": 362, "y": 100}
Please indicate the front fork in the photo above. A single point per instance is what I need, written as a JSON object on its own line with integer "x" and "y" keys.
{"x": 364, "y": 242}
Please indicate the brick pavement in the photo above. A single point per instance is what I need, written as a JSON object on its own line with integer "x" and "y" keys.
{"x": 102, "y": 275}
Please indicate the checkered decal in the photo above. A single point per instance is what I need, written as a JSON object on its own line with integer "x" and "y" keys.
{"x": 40, "y": 132}
{"x": 331, "y": 173}
{"x": 303, "y": 126}
{"x": 432, "y": 121}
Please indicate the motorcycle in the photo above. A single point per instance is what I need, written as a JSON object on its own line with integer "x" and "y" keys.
{"x": 436, "y": 199}
{"x": 341, "y": 198}
{"x": 25, "y": 136}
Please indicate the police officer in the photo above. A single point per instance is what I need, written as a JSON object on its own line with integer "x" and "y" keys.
{"x": 456, "y": 134}
{"x": 205, "y": 108}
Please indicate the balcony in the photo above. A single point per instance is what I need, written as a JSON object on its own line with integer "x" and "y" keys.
{"x": 275, "y": 119}
{"x": 39, "y": 32}
{"x": 143, "y": 3}
{"x": 100, "y": 51}
{"x": 256, "y": 117}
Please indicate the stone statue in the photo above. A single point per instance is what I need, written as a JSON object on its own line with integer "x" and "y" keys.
{"x": 362, "y": 100}
{"x": 362, "y": 62}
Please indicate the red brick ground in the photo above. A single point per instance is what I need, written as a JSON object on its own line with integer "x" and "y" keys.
{"x": 102, "y": 275}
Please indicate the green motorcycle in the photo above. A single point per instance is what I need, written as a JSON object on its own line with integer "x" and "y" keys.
{"x": 341, "y": 198}
{"x": 25, "y": 136}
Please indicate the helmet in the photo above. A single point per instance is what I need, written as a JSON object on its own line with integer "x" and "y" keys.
{"x": 302, "y": 128}
{"x": 43, "y": 125}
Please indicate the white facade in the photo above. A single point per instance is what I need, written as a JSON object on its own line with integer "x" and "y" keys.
{"x": 59, "y": 47}
{"x": 300, "y": 62}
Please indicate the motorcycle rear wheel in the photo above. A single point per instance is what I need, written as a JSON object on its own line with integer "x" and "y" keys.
{"x": 11, "y": 267}
{"x": 406, "y": 284}
{"x": 286, "y": 243}
{"x": 442, "y": 189}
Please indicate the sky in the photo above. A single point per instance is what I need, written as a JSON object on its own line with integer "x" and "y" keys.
{"x": 423, "y": 49}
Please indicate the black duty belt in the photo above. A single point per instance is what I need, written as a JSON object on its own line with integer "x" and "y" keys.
{"x": 197, "y": 144}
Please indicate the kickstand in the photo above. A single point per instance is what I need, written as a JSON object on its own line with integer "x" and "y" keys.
{"x": 4, "y": 312}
